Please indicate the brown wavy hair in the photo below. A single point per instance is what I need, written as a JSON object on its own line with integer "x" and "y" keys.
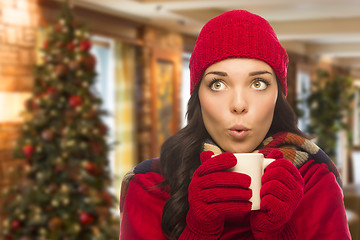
{"x": 180, "y": 157}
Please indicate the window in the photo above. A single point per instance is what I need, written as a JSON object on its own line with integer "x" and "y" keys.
{"x": 185, "y": 88}
{"x": 103, "y": 50}
{"x": 303, "y": 91}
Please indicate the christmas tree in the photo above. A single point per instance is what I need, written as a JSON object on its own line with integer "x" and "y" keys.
{"x": 63, "y": 191}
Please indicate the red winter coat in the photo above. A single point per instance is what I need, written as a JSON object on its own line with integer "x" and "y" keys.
{"x": 320, "y": 214}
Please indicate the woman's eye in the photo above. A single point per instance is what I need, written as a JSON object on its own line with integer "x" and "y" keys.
{"x": 217, "y": 85}
{"x": 260, "y": 85}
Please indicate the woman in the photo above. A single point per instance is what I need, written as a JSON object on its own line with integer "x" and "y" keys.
{"x": 237, "y": 105}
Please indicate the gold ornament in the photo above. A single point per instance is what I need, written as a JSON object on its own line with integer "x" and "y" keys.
{"x": 18, "y": 198}
{"x": 55, "y": 223}
{"x": 78, "y": 33}
{"x": 37, "y": 218}
{"x": 76, "y": 228}
{"x": 59, "y": 160}
{"x": 53, "y": 113}
{"x": 39, "y": 149}
{"x": 40, "y": 176}
{"x": 43, "y": 231}
{"x": 64, "y": 188}
{"x": 96, "y": 131}
{"x": 37, "y": 210}
{"x": 70, "y": 143}
{"x": 65, "y": 201}
{"x": 85, "y": 84}
{"x": 83, "y": 145}
{"x": 84, "y": 131}
{"x": 79, "y": 73}
{"x": 53, "y": 75}
{"x": 54, "y": 203}
{"x": 62, "y": 21}
{"x": 60, "y": 70}
{"x": 6, "y": 223}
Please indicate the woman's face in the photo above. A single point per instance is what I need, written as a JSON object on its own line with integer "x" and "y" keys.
{"x": 237, "y": 98}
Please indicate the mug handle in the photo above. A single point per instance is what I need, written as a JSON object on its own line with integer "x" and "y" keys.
{"x": 266, "y": 163}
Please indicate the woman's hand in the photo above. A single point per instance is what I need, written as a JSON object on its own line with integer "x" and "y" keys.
{"x": 281, "y": 192}
{"x": 215, "y": 193}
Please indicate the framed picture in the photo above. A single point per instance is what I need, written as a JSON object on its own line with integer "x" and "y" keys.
{"x": 165, "y": 97}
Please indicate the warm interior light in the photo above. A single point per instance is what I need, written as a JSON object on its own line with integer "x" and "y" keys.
{"x": 11, "y": 105}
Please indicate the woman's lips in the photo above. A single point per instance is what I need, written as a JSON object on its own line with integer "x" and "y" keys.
{"x": 238, "y": 131}
{"x": 238, "y": 134}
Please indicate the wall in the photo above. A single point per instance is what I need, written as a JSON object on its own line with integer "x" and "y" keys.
{"x": 18, "y": 21}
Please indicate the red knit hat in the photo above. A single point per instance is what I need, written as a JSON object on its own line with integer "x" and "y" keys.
{"x": 237, "y": 34}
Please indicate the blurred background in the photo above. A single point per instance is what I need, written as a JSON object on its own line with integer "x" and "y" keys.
{"x": 142, "y": 50}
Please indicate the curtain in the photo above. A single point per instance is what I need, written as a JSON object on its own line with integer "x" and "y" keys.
{"x": 125, "y": 127}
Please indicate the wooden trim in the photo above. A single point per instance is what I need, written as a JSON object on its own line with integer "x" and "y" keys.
{"x": 99, "y": 23}
{"x": 100, "y": 43}
{"x": 9, "y": 125}
{"x": 189, "y": 43}
{"x": 173, "y": 57}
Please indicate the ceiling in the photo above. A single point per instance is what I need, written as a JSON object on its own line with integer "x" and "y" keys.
{"x": 322, "y": 28}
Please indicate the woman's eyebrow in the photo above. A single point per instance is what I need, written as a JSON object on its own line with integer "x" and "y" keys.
{"x": 259, "y": 73}
{"x": 223, "y": 74}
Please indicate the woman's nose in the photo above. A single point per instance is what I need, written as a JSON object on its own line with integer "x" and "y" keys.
{"x": 239, "y": 103}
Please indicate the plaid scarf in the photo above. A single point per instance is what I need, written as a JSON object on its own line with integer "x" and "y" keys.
{"x": 295, "y": 148}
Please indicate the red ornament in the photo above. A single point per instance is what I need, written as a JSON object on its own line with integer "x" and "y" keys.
{"x": 28, "y": 150}
{"x": 103, "y": 128}
{"x": 40, "y": 95}
{"x": 15, "y": 224}
{"x": 58, "y": 27}
{"x": 86, "y": 218}
{"x": 96, "y": 147}
{"x": 70, "y": 46}
{"x": 52, "y": 93}
{"x": 51, "y": 90}
{"x": 60, "y": 44}
{"x": 75, "y": 101}
{"x": 89, "y": 62}
{"x": 46, "y": 45}
{"x": 59, "y": 168}
{"x": 90, "y": 167}
{"x": 85, "y": 45}
{"x": 9, "y": 236}
{"x": 106, "y": 197}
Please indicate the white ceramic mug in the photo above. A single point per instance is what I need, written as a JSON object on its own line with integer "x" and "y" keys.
{"x": 252, "y": 164}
